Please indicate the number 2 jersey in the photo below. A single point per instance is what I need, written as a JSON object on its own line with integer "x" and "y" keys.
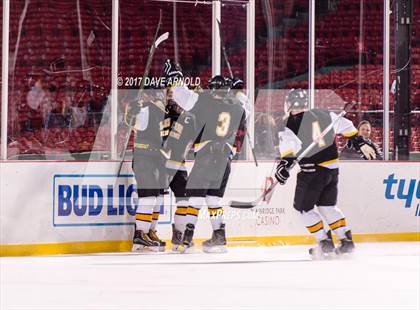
{"x": 303, "y": 128}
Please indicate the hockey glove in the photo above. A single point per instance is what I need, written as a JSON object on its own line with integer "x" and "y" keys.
{"x": 364, "y": 148}
{"x": 282, "y": 173}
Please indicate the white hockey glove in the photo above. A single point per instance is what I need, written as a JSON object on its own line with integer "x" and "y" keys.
{"x": 362, "y": 146}
{"x": 368, "y": 152}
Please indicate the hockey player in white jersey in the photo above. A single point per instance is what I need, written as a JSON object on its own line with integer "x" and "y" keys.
{"x": 318, "y": 179}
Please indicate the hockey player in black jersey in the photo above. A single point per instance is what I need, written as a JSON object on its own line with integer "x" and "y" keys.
{"x": 148, "y": 166}
{"x": 318, "y": 179}
{"x": 211, "y": 122}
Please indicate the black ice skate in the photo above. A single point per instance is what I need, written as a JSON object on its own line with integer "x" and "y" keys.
{"x": 187, "y": 240}
{"x": 142, "y": 243}
{"x": 324, "y": 250}
{"x": 346, "y": 245}
{"x": 154, "y": 237}
{"x": 217, "y": 243}
{"x": 176, "y": 238}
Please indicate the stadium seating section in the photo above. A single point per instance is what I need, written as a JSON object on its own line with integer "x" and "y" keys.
{"x": 45, "y": 43}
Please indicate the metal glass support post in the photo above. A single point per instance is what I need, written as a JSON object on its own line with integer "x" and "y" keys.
{"x": 5, "y": 79}
{"x": 114, "y": 80}
{"x": 250, "y": 69}
{"x": 311, "y": 82}
{"x": 387, "y": 12}
{"x": 216, "y": 47}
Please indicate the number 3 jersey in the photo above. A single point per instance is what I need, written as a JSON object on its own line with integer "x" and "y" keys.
{"x": 212, "y": 125}
{"x": 304, "y": 128}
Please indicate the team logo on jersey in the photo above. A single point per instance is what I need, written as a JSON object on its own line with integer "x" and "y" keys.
{"x": 97, "y": 200}
{"x": 405, "y": 190}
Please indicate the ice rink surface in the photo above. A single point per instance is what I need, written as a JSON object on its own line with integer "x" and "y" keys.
{"x": 378, "y": 276}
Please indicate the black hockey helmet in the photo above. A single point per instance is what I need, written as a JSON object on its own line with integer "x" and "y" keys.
{"x": 217, "y": 82}
{"x": 218, "y": 86}
{"x": 237, "y": 83}
{"x": 296, "y": 99}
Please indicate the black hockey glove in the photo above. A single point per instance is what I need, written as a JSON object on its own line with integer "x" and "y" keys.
{"x": 282, "y": 173}
{"x": 364, "y": 147}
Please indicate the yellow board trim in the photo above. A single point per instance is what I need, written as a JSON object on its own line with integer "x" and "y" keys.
{"x": 86, "y": 247}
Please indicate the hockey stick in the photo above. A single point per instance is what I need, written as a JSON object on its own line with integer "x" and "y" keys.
{"x": 156, "y": 42}
{"x": 268, "y": 192}
{"x": 231, "y": 75}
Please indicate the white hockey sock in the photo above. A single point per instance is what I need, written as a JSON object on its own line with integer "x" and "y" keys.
{"x": 215, "y": 211}
{"x": 314, "y": 224}
{"x": 144, "y": 213}
{"x": 156, "y": 211}
{"x": 195, "y": 204}
{"x": 180, "y": 217}
{"x": 335, "y": 219}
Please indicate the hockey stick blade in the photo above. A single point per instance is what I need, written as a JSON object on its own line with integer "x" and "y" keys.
{"x": 162, "y": 38}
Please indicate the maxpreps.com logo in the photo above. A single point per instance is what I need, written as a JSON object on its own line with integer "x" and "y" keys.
{"x": 97, "y": 200}
{"x": 404, "y": 190}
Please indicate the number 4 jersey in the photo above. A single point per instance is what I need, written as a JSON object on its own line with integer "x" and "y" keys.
{"x": 303, "y": 128}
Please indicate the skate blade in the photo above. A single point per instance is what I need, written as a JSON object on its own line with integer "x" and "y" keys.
{"x": 219, "y": 249}
{"x": 317, "y": 254}
{"x": 344, "y": 255}
{"x": 138, "y": 248}
{"x": 182, "y": 249}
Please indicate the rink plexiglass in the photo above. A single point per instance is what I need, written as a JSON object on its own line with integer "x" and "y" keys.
{"x": 60, "y": 103}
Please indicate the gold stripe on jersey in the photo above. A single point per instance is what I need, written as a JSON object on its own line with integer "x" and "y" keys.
{"x": 314, "y": 228}
{"x": 155, "y": 216}
{"x": 286, "y": 153}
{"x": 351, "y": 134}
{"x": 192, "y": 211}
{"x": 141, "y": 145}
{"x": 328, "y": 162}
{"x": 173, "y": 164}
{"x": 199, "y": 146}
{"x": 144, "y": 217}
{"x": 181, "y": 210}
{"x": 338, "y": 224}
{"x": 215, "y": 211}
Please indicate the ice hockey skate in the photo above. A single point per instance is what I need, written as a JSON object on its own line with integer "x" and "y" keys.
{"x": 217, "y": 243}
{"x": 154, "y": 237}
{"x": 324, "y": 250}
{"x": 346, "y": 245}
{"x": 143, "y": 243}
{"x": 187, "y": 245}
